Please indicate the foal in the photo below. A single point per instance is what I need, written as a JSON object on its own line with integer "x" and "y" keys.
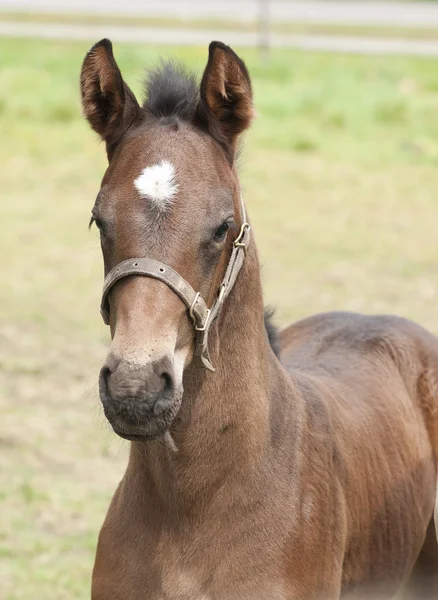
{"x": 310, "y": 477}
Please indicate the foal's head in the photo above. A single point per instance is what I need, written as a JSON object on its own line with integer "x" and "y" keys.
{"x": 170, "y": 194}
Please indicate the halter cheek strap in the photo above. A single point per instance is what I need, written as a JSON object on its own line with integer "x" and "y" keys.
{"x": 201, "y": 316}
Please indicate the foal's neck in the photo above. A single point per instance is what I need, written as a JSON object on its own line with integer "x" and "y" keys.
{"x": 223, "y": 429}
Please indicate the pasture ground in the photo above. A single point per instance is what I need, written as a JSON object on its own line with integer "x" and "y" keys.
{"x": 340, "y": 173}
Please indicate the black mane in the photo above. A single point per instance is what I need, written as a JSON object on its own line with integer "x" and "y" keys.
{"x": 171, "y": 91}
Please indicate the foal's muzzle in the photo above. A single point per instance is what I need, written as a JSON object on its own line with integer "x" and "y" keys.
{"x": 140, "y": 401}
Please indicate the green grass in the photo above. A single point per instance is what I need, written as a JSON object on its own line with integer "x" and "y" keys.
{"x": 340, "y": 173}
{"x": 293, "y": 28}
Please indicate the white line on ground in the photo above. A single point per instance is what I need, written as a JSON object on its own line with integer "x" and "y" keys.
{"x": 188, "y": 37}
{"x": 357, "y": 12}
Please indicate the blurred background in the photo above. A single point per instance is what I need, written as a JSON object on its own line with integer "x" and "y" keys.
{"x": 340, "y": 176}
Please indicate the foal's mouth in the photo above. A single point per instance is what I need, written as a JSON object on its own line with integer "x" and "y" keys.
{"x": 133, "y": 420}
{"x": 136, "y": 428}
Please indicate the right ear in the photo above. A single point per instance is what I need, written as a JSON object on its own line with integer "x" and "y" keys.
{"x": 108, "y": 104}
{"x": 225, "y": 108}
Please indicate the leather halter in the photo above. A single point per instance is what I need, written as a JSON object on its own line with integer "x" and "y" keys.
{"x": 201, "y": 316}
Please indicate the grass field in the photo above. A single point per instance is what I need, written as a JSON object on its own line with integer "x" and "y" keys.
{"x": 341, "y": 179}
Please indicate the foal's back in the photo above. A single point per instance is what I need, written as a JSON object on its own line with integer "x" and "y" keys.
{"x": 376, "y": 377}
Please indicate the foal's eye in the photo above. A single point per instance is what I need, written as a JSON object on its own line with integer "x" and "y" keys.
{"x": 221, "y": 231}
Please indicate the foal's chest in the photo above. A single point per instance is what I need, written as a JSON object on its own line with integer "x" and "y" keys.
{"x": 183, "y": 585}
{"x": 180, "y": 584}
{"x": 231, "y": 576}
{"x": 166, "y": 570}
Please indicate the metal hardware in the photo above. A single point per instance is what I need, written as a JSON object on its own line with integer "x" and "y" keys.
{"x": 238, "y": 241}
{"x": 204, "y": 327}
{"x": 192, "y": 316}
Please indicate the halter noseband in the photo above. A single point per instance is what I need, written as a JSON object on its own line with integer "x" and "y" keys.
{"x": 201, "y": 316}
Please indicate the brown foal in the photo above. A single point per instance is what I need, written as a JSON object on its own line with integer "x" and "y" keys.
{"x": 306, "y": 477}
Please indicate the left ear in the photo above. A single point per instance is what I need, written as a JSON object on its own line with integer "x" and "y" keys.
{"x": 225, "y": 108}
{"x": 109, "y": 105}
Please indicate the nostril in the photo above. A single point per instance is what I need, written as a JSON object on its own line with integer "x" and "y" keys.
{"x": 167, "y": 382}
{"x": 111, "y": 364}
{"x": 103, "y": 382}
{"x": 161, "y": 402}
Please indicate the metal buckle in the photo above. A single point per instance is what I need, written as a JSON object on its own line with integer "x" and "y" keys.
{"x": 192, "y": 316}
{"x": 204, "y": 327}
{"x": 238, "y": 241}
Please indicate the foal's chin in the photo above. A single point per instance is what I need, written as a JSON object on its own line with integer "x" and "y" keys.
{"x": 139, "y": 425}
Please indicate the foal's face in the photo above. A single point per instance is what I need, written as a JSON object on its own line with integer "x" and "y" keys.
{"x": 171, "y": 194}
{"x": 167, "y": 195}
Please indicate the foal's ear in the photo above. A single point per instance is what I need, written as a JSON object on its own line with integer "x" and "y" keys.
{"x": 109, "y": 105}
{"x": 225, "y": 106}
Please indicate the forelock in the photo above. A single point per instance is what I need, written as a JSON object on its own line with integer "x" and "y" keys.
{"x": 171, "y": 91}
